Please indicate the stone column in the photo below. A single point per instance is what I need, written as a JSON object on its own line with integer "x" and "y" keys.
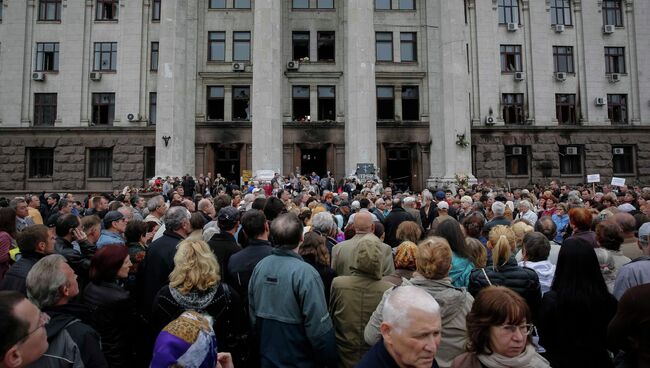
{"x": 267, "y": 86}
{"x": 448, "y": 92}
{"x": 360, "y": 88}
{"x": 176, "y": 88}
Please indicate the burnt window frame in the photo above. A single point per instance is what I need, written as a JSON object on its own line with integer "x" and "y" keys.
{"x": 405, "y": 98}
{"x": 296, "y": 41}
{"x": 235, "y": 101}
{"x": 210, "y": 97}
{"x": 300, "y": 102}
{"x": 97, "y": 105}
{"x": 381, "y": 100}
{"x": 323, "y": 100}
{"x": 323, "y": 37}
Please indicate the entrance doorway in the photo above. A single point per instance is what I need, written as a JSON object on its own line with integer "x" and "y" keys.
{"x": 313, "y": 160}
{"x": 398, "y": 167}
{"x": 227, "y": 163}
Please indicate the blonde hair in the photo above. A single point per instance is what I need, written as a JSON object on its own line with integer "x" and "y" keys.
{"x": 433, "y": 258}
{"x": 502, "y": 242}
{"x": 408, "y": 231}
{"x": 479, "y": 253}
{"x": 195, "y": 267}
{"x": 520, "y": 229}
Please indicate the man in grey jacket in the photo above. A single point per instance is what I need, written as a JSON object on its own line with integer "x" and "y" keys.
{"x": 636, "y": 272}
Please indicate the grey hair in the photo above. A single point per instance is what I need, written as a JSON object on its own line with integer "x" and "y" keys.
{"x": 45, "y": 279}
{"x": 499, "y": 208}
{"x": 204, "y": 203}
{"x": 408, "y": 201}
{"x": 175, "y": 217}
{"x": 322, "y": 222}
{"x": 16, "y": 201}
{"x": 154, "y": 202}
{"x": 526, "y": 204}
{"x": 402, "y": 301}
{"x": 127, "y": 212}
{"x": 426, "y": 195}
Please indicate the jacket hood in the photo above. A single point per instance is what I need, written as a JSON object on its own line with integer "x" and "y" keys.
{"x": 197, "y": 300}
{"x": 450, "y": 298}
{"x": 544, "y": 268}
{"x": 63, "y": 315}
{"x": 368, "y": 258}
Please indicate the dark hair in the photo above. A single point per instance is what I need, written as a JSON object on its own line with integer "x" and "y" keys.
{"x": 546, "y": 226}
{"x": 151, "y": 225}
{"x": 609, "y": 235}
{"x": 273, "y": 208}
{"x": 581, "y": 218}
{"x": 364, "y": 203}
{"x": 252, "y": 223}
{"x": 314, "y": 245}
{"x": 258, "y": 203}
{"x": 286, "y": 230}
{"x": 63, "y": 202}
{"x": 379, "y": 229}
{"x": 29, "y": 238}
{"x": 537, "y": 246}
{"x": 279, "y": 193}
{"x": 8, "y": 220}
{"x": 450, "y": 230}
{"x": 473, "y": 225}
{"x": 197, "y": 221}
{"x": 494, "y": 306}
{"x": 88, "y": 222}
{"x": 135, "y": 200}
{"x": 349, "y": 232}
{"x": 105, "y": 264}
{"x": 66, "y": 223}
{"x": 135, "y": 229}
{"x": 222, "y": 201}
{"x": 14, "y": 329}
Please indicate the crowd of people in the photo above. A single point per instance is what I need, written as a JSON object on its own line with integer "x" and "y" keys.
{"x": 308, "y": 272}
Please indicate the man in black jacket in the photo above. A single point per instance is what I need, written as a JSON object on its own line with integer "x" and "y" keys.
{"x": 73, "y": 244}
{"x": 34, "y": 243}
{"x": 224, "y": 244}
{"x": 396, "y": 216}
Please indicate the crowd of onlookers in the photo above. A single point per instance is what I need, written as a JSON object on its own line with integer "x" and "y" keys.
{"x": 308, "y": 272}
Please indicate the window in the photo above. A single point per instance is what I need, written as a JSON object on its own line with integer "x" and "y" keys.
{"x": 49, "y": 10}
{"x": 47, "y": 56}
{"x": 155, "y": 10}
{"x": 563, "y": 59}
{"x": 105, "y": 56}
{"x": 613, "y": 12}
{"x": 153, "y": 104}
{"x": 242, "y": 4}
{"x": 570, "y": 160}
{"x": 516, "y": 160}
{"x": 300, "y": 103}
{"x": 623, "y": 160}
{"x": 408, "y": 46}
{"x": 241, "y": 50}
{"x": 513, "y": 108}
{"x": 149, "y": 162}
{"x": 300, "y": 4}
{"x": 240, "y": 103}
{"x": 326, "y": 41}
{"x": 216, "y": 46}
{"x": 384, "y": 46}
{"x": 617, "y": 109}
{"x": 326, "y": 103}
{"x": 106, "y": 9}
{"x": 215, "y": 103}
{"x": 41, "y": 162}
{"x": 508, "y": 11}
{"x": 385, "y": 103}
{"x": 100, "y": 162}
{"x": 511, "y": 58}
{"x": 561, "y": 12}
{"x": 566, "y": 109}
{"x": 615, "y": 60}
{"x": 410, "y": 103}
{"x": 154, "y": 56}
{"x": 325, "y": 4}
{"x": 103, "y": 108}
{"x": 44, "y": 109}
{"x": 382, "y": 4}
{"x": 217, "y": 4}
{"x": 407, "y": 4}
{"x": 300, "y": 45}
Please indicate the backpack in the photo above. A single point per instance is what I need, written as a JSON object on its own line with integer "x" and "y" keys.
{"x": 63, "y": 352}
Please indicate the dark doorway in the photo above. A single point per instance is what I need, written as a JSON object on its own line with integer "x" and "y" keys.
{"x": 313, "y": 160}
{"x": 227, "y": 163}
{"x": 398, "y": 167}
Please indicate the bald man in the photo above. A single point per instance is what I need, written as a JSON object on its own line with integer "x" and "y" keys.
{"x": 343, "y": 253}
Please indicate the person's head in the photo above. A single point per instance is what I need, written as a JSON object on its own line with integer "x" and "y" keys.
{"x": 502, "y": 242}
{"x": 115, "y": 221}
{"x": 363, "y": 223}
{"x": 136, "y": 232}
{"x": 23, "y": 339}
{"x": 580, "y": 218}
{"x": 177, "y": 219}
{"x": 37, "y": 239}
{"x": 626, "y": 222}
{"x": 408, "y": 231}
{"x": 499, "y": 322}
{"x": 206, "y": 206}
{"x": 138, "y": 202}
{"x": 405, "y": 256}
{"x": 609, "y": 235}
{"x": 411, "y": 327}
{"x": 546, "y": 226}
{"x": 195, "y": 267}
{"x": 111, "y": 262}
{"x": 536, "y": 247}
{"x": 287, "y": 230}
{"x": 66, "y": 224}
{"x": 20, "y": 206}
{"x": 254, "y": 224}
{"x": 644, "y": 238}
{"x": 91, "y": 226}
{"x": 451, "y": 231}
{"x": 473, "y": 225}
{"x": 479, "y": 253}
{"x": 521, "y": 228}
{"x": 65, "y": 206}
{"x": 197, "y": 221}
{"x": 8, "y": 220}
{"x": 51, "y": 282}
{"x": 273, "y": 207}
{"x": 314, "y": 245}
{"x": 323, "y": 222}
{"x": 157, "y": 206}
{"x": 258, "y": 203}
{"x": 33, "y": 201}
{"x": 433, "y": 258}
{"x": 228, "y": 218}
{"x": 525, "y": 206}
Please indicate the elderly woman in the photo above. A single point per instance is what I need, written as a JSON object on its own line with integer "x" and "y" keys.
{"x": 520, "y": 228}
{"x": 580, "y": 220}
{"x": 610, "y": 237}
{"x": 434, "y": 258}
{"x": 405, "y": 263}
{"x": 323, "y": 223}
{"x": 561, "y": 220}
{"x": 498, "y": 329}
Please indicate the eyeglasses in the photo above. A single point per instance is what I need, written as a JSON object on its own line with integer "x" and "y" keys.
{"x": 43, "y": 320}
{"x": 525, "y": 329}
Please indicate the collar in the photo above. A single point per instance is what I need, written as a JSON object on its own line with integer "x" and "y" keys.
{"x": 259, "y": 242}
{"x": 286, "y": 253}
{"x": 173, "y": 234}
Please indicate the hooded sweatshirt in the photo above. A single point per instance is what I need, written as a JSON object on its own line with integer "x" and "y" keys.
{"x": 545, "y": 271}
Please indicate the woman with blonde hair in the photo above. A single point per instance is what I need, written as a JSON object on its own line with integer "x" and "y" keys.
{"x": 502, "y": 270}
{"x": 195, "y": 284}
{"x": 520, "y": 228}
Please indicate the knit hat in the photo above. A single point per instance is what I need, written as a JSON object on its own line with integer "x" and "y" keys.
{"x": 188, "y": 341}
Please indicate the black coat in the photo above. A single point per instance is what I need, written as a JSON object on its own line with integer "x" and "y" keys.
{"x": 15, "y": 278}
{"x": 396, "y": 216}
{"x": 223, "y": 245}
{"x": 80, "y": 262}
{"x": 242, "y": 264}
{"x": 428, "y": 216}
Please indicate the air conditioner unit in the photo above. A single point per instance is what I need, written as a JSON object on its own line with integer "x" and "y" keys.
{"x": 572, "y": 150}
{"x": 561, "y": 76}
{"x": 519, "y": 76}
{"x": 614, "y": 77}
{"x": 38, "y": 76}
{"x": 489, "y": 120}
{"x": 619, "y": 151}
{"x": 609, "y": 28}
{"x": 600, "y": 101}
{"x": 513, "y": 27}
{"x": 238, "y": 67}
{"x": 517, "y": 151}
{"x": 559, "y": 28}
{"x": 293, "y": 65}
{"x": 95, "y": 76}
{"x": 133, "y": 117}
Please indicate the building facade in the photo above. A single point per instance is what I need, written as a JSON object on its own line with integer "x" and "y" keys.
{"x": 98, "y": 94}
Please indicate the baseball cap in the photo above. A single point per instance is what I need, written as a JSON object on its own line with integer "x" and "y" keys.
{"x": 644, "y": 233}
{"x": 440, "y": 195}
{"x": 443, "y": 205}
{"x": 229, "y": 213}
{"x": 112, "y": 216}
{"x": 626, "y": 207}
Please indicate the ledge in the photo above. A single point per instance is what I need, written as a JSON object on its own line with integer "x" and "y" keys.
{"x": 563, "y": 128}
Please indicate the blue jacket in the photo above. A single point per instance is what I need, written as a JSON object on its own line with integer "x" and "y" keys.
{"x": 108, "y": 237}
{"x": 289, "y": 313}
{"x": 460, "y": 270}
